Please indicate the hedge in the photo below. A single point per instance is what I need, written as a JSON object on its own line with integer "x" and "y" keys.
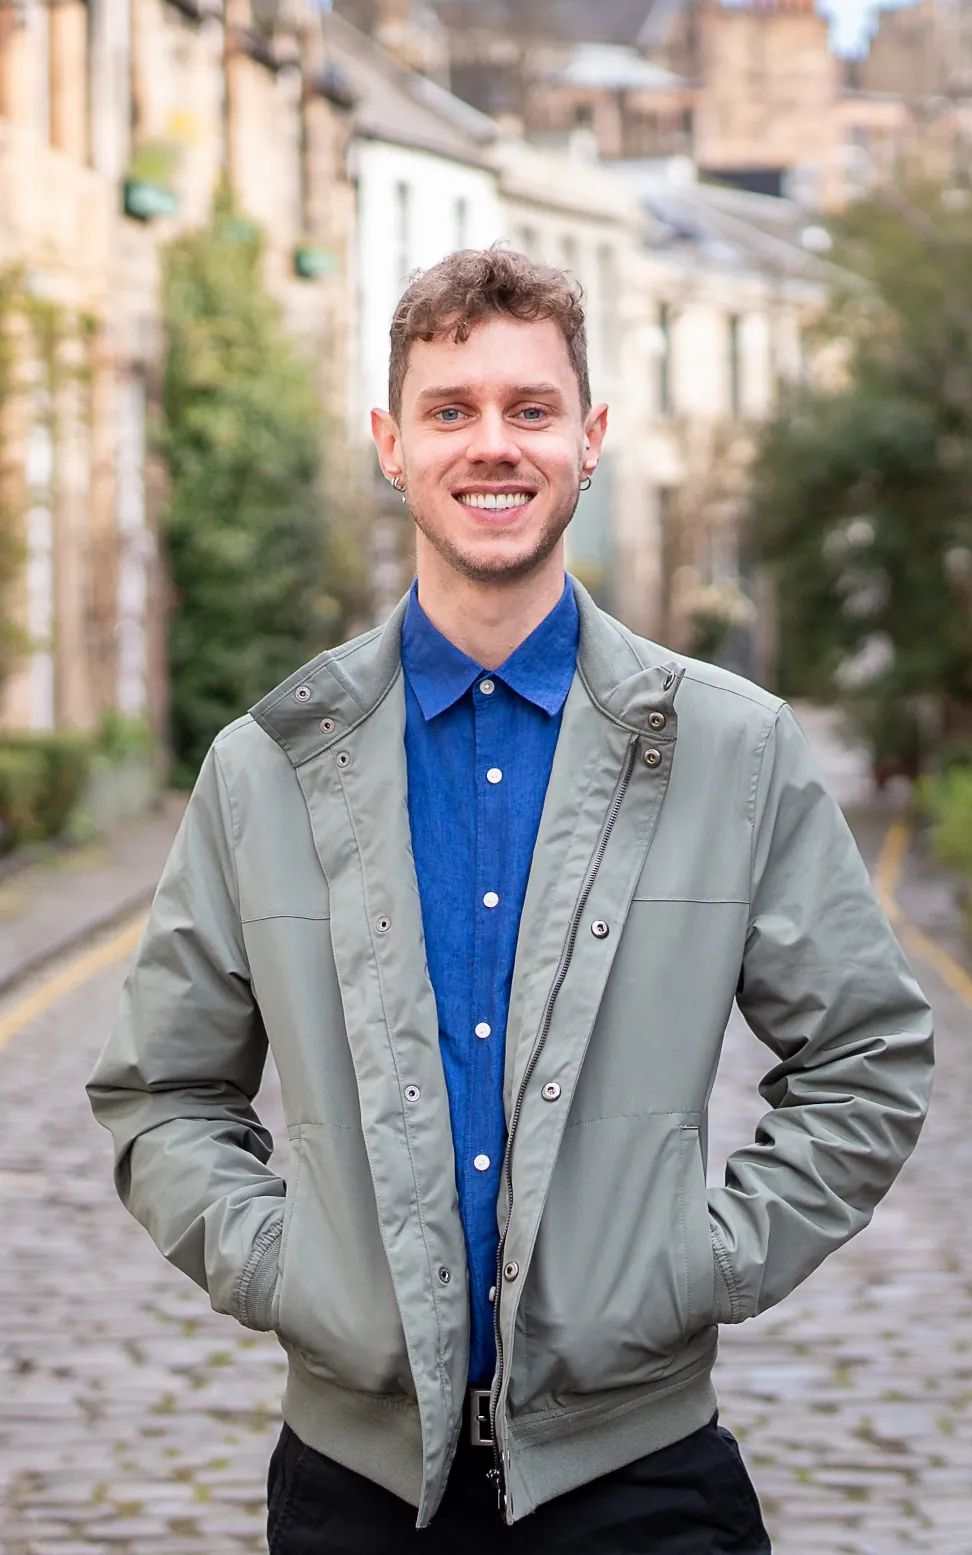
{"x": 42, "y": 778}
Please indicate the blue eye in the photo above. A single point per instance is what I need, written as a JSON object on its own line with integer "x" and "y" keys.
{"x": 450, "y": 410}
{"x": 534, "y": 410}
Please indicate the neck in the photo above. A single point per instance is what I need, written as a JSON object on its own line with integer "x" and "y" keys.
{"x": 487, "y": 621}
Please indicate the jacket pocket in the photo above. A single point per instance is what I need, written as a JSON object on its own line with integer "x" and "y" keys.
{"x": 622, "y": 1273}
{"x": 335, "y": 1303}
{"x": 696, "y": 1229}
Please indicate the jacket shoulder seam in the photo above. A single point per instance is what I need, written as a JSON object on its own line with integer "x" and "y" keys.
{"x": 757, "y": 701}
{"x": 758, "y": 758}
{"x": 224, "y": 788}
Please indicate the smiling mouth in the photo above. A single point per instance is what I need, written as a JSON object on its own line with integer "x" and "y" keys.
{"x": 495, "y": 502}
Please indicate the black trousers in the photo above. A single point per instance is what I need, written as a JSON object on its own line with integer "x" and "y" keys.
{"x": 692, "y": 1498}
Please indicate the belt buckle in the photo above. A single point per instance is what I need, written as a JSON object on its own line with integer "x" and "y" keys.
{"x": 479, "y": 1430}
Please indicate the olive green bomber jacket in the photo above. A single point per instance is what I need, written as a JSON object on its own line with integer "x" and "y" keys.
{"x": 687, "y": 855}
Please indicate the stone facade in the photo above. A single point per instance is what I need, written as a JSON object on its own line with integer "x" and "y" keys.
{"x": 185, "y": 93}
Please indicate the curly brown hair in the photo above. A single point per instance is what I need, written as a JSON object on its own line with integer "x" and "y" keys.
{"x": 474, "y": 283}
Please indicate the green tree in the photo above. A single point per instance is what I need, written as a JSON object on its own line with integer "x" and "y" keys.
{"x": 862, "y": 505}
{"x": 263, "y": 572}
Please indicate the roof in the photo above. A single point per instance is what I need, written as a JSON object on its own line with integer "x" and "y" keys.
{"x": 619, "y": 21}
{"x": 573, "y": 21}
{"x": 617, "y": 68}
{"x": 731, "y": 227}
{"x": 395, "y": 104}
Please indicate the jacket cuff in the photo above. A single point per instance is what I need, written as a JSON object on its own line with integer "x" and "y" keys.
{"x": 726, "y": 1301}
{"x": 259, "y": 1280}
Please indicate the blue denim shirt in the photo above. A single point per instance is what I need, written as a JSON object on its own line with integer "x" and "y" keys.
{"x": 479, "y": 746}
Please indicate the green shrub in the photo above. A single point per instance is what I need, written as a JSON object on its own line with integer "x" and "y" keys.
{"x": 122, "y": 737}
{"x": 42, "y": 778}
{"x": 948, "y": 802}
{"x": 21, "y": 781}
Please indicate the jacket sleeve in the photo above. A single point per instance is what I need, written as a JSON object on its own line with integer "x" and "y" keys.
{"x": 826, "y": 987}
{"x": 176, "y": 1079}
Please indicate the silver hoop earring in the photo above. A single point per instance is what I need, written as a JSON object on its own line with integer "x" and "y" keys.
{"x": 585, "y": 484}
{"x": 398, "y": 483}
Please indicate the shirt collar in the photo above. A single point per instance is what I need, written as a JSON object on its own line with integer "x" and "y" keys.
{"x": 540, "y": 669}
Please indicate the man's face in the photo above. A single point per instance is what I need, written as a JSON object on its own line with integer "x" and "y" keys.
{"x": 492, "y": 445}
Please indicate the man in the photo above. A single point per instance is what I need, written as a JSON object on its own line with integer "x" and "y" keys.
{"x": 488, "y": 880}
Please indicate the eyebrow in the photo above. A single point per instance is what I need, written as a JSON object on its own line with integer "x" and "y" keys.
{"x": 458, "y": 391}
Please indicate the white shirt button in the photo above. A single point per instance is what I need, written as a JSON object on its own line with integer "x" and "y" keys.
{"x": 481, "y": 1163}
{"x": 487, "y": 687}
{"x": 494, "y": 775}
{"x": 483, "y": 1030}
{"x": 490, "y": 899}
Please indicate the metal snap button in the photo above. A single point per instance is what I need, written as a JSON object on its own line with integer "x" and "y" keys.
{"x": 327, "y": 724}
{"x": 487, "y": 687}
{"x": 657, "y": 720}
{"x": 444, "y": 1276}
{"x": 412, "y": 1093}
{"x": 511, "y": 1270}
{"x": 382, "y": 924}
{"x": 651, "y": 758}
{"x": 551, "y": 1092}
{"x": 600, "y": 929}
{"x": 303, "y": 693}
{"x": 343, "y": 759}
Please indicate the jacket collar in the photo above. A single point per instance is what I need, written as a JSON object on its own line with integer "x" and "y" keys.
{"x": 317, "y": 706}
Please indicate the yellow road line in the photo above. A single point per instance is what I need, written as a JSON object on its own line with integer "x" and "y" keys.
{"x": 948, "y": 969}
{"x": 71, "y": 976}
{"x": 887, "y": 874}
{"x": 887, "y": 877}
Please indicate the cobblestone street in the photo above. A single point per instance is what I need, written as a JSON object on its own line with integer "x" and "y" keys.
{"x": 134, "y": 1420}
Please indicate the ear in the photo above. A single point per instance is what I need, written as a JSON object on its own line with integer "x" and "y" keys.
{"x": 595, "y": 426}
{"x": 384, "y": 430}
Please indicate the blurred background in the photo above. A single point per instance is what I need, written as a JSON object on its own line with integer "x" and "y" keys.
{"x": 208, "y": 209}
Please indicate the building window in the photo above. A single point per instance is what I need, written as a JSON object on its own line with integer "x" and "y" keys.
{"x": 608, "y": 296}
{"x": 664, "y": 359}
{"x": 39, "y": 18}
{"x": 527, "y": 241}
{"x": 666, "y": 518}
{"x": 735, "y": 375}
{"x": 134, "y": 549}
{"x": 403, "y": 224}
{"x": 39, "y": 570}
{"x": 462, "y": 222}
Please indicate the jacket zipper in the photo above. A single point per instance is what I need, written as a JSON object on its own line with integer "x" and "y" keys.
{"x": 604, "y": 836}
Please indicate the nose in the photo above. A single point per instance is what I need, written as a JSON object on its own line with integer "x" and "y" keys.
{"x": 491, "y": 441}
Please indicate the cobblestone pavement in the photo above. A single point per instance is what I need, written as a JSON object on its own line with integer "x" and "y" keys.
{"x": 135, "y": 1421}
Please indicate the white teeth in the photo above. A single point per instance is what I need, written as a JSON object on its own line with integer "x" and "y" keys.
{"x": 490, "y": 499}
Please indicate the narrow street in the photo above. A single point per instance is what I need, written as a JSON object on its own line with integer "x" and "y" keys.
{"x": 135, "y": 1421}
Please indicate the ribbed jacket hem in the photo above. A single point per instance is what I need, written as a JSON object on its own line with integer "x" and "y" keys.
{"x": 577, "y": 1448}
{"x": 379, "y": 1438}
{"x": 551, "y": 1454}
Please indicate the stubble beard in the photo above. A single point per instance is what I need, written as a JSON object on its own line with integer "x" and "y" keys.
{"x": 497, "y": 568}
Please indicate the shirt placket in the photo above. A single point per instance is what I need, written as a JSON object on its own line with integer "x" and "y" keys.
{"x": 481, "y": 1154}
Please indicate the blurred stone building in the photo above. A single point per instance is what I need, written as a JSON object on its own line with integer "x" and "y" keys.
{"x": 751, "y": 92}
{"x": 117, "y": 125}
